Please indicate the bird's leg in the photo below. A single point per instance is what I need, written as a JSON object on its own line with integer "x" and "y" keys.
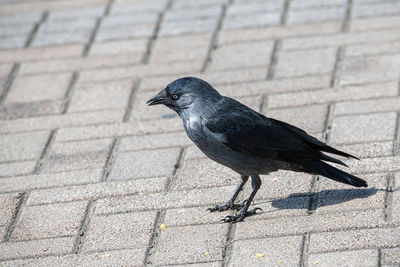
{"x": 231, "y": 203}
{"x": 244, "y": 212}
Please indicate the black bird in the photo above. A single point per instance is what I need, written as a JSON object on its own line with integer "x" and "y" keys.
{"x": 246, "y": 141}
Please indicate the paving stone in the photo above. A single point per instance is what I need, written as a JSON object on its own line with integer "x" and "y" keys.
{"x": 246, "y": 35}
{"x": 372, "y": 49}
{"x": 121, "y": 7}
{"x": 367, "y": 257}
{"x": 251, "y": 21}
{"x": 188, "y": 26}
{"x": 61, "y": 38}
{"x": 35, "y": 248}
{"x": 203, "y": 173}
{"x": 69, "y": 26}
{"x": 95, "y": 191}
{"x": 310, "y": 118}
{"x": 370, "y": 69}
{"x": 341, "y": 39}
{"x": 175, "y": 199}
{"x": 299, "y": 63}
{"x": 181, "y": 4}
{"x": 254, "y": 7}
{"x": 52, "y": 87}
{"x": 391, "y": 255}
{"x": 115, "y": 21}
{"x": 50, "y": 221}
{"x": 367, "y": 106}
{"x": 396, "y": 199}
{"x": 9, "y": 204}
{"x": 3, "y": 232}
{"x": 76, "y": 13}
{"x": 274, "y": 86}
{"x": 130, "y": 165}
{"x": 16, "y": 30}
{"x": 376, "y": 9}
{"x": 13, "y": 42}
{"x": 23, "y": 146}
{"x": 119, "y": 231}
{"x": 369, "y": 150}
{"x": 363, "y": 128}
{"x": 190, "y": 244}
{"x": 77, "y": 156}
{"x": 316, "y": 15}
{"x": 30, "y": 182}
{"x": 246, "y": 55}
{"x": 40, "y": 53}
{"x": 191, "y": 13}
{"x": 280, "y": 251}
{"x": 118, "y": 47}
{"x": 154, "y": 141}
{"x": 333, "y": 95}
{"x": 5, "y": 70}
{"x": 17, "y": 19}
{"x": 372, "y": 23}
{"x": 354, "y": 239}
{"x": 187, "y": 47}
{"x": 377, "y": 165}
{"x": 17, "y": 168}
{"x": 108, "y": 95}
{"x": 126, "y": 32}
{"x": 299, "y": 4}
{"x": 60, "y": 121}
{"x": 20, "y": 110}
{"x": 314, "y": 223}
{"x": 126, "y": 257}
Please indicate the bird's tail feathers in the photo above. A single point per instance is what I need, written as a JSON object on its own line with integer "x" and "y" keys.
{"x": 338, "y": 175}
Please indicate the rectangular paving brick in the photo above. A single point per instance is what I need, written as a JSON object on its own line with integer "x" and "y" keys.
{"x": 17, "y": 168}
{"x": 372, "y": 49}
{"x": 119, "y": 231}
{"x": 97, "y": 96}
{"x": 17, "y": 30}
{"x": 13, "y": 42}
{"x": 310, "y": 118}
{"x": 35, "y": 248}
{"x": 30, "y": 182}
{"x": 30, "y": 109}
{"x": 251, "y": 20}
{"x": 364, "y": 128}
{"x": 52, "y": 87}
{"x": 126, "y": 32}
{"x": 299, "y": 4}
{"x": 50, "y": 221}
{"x": 391, "y": 256}
{"x": 129, "y": 165}
{"x": 246, "y": 55}
{"x": 175, "y": 199}
{"x": 299, "y": 63}
{"x": 121, "y": 7}
{"x": 9, "y": 203}
{"x": 370, "y": 69}
{"x": 182, "y": 4}
{"x": 23, "y": 146}
{"x": 376, "y": 9}
{"x": 59, "y": 121}
{"x": 192, "y": 12}
{"x": 368, "y": 106}
{"x": 396, "y": 199}
{"x": 372, "y": 23}
{"x": 67, "y": 26}
{"x": 17, "y": 19}
{"x": 118, "y": 47}
{"x": 154, "y": 141}
{"x": 332, "y": 95}
{"x": 280, "y": 251}
{"x": 375, "y": 165}
{"x": 76, "y": 13}
{"x": 354, "y": 239}
{"x": 40, "y": 53}
{"x": 125, "y": 257}
{"x": 79, "y": 37}
{"x": 121, "y": 20}
{"x": 365, "y": 257}
{"x": 95, "y": 191}
{"x": 275, "y": 32}
{"x": 202, "y": 25}
{"x": 316, "y": 15}
{"x": 191, "y": 244}
{"x": 369, "y": 150}
{"x": 315, "y": 223}
{"x": 78, "y": 156}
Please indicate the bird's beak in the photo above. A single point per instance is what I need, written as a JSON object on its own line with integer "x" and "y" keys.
{"x": 160, "y": 98}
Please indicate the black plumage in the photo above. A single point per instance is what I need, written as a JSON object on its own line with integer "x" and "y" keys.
{"x": 246, "y": 141}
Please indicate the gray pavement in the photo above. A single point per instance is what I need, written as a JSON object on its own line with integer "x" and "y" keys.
{"x": 91, "y": 176}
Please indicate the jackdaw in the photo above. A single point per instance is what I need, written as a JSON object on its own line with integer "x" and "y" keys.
{"x": 246, "y": 141}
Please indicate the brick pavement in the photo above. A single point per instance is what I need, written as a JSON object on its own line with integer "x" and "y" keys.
{"x": 88, "y": 173}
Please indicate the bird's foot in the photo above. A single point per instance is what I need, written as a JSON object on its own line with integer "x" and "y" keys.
{"x": 240, "y": 217}
{"x": 228, "y": 206}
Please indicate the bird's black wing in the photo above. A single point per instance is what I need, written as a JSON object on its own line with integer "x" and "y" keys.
{"x": 242, "y": 129}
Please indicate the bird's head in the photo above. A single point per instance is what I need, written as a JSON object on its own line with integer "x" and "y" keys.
{"x": 186, "y": 93}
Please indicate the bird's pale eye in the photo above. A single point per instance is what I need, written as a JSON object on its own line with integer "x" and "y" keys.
{"x": 175, "y": 97}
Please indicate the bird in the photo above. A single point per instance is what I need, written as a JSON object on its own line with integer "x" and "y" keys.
{"x": 246, "y": 141}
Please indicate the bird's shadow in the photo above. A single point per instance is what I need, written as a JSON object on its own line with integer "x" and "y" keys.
{"x": 323, "y": 198}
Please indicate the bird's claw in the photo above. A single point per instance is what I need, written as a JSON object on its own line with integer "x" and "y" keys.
{"x": 240, "y": 217}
